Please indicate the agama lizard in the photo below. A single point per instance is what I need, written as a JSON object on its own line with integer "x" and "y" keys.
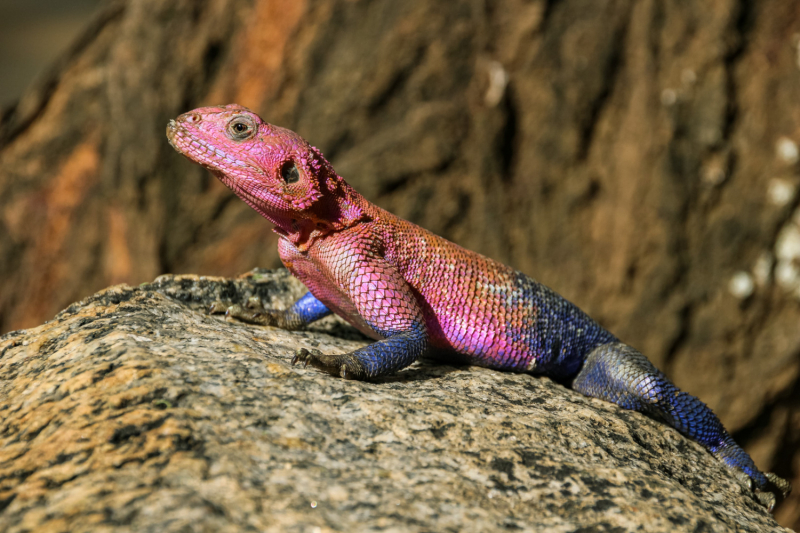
{"x": 417, "y": 293}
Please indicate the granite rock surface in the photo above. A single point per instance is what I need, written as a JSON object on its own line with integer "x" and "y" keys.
{"x": 134, "y": 410}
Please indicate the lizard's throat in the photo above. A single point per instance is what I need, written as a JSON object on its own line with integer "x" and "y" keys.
{"x": 302, "y": 229}
{"x": 300, "y": 232}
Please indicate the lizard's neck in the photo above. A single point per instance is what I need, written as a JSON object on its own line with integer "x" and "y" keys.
{"x": 340, "y": 209}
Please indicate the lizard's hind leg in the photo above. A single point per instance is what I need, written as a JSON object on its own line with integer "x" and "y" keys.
{"x": 617, "y": 373}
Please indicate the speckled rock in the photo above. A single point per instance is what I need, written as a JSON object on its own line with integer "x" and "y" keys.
{"x": 134, "y": 410}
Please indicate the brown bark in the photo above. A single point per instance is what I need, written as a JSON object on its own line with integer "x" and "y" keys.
{"x": 638, "y": 160}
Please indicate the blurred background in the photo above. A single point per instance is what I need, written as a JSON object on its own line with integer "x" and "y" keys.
{"x": 32, "y": 35}
{"x": 639, "y": 157}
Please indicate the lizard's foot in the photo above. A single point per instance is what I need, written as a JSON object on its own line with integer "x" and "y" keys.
{"x": 252, "y": 312}
{"x": 766, "y": 496}
{"x": 767, "y": 488}
{"x": 343, "y": 365}
{"x": 217, "y": 308}
{"x": 770, "y": 493}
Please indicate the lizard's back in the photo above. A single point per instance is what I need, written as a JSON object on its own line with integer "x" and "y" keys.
{"x": 476, "y": 310}
{"x": 490, "y": 313}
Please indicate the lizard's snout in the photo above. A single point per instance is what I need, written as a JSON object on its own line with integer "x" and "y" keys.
{"x": 172, "y": 129}
{"x": 190, "y": 118}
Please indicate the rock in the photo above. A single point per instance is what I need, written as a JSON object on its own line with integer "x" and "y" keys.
{"x": 639, "y": 158}
{"x": 134, "y": 410}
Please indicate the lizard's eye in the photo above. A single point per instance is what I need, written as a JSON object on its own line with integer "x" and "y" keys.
{"x": 241, "y": 128}
{"x": 289, "y": 172}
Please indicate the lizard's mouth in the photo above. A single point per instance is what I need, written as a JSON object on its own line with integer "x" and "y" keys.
{"x": 206, "y": 154}
{"x": 172, "y": 127}
{"x": 215, "y": 161}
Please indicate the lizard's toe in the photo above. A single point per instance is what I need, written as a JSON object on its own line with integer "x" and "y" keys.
{"x": 254, "y": 303}
{"x": 783, "y": 485}
{"x": 234, "y": 310}
{"x": 252, "y": 314}
{"x": 305, "y": 356}
{"x": 217, "y": 308}
{"x": 776, "y": 490}
{"x": 767, "y": 499}
{"x": 744, "y": 479}
{"x": 341, "y": 365}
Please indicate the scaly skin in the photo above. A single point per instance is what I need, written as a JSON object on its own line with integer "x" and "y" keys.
{"x": 415, "y": 292}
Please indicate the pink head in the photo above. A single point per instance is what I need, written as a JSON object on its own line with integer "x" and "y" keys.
{"x": 273, "y": 169}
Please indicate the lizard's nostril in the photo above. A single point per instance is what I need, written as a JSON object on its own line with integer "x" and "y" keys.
{"x": 191, "y": 118}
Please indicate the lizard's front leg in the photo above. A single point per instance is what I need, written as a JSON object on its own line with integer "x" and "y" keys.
{"x": 384, "y": 300}
{"x": 383, "y": 357}
{"x": 304, "y": 311}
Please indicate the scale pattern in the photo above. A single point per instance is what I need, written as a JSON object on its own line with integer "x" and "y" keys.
{"x": 617, "y": 373}
{"x": 413, "y": 291}
{"x": 308, "y": 309}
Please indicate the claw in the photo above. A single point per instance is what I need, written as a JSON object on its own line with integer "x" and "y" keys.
{"x": 343, "y": 365}
{"x": 744, "y": 479}
{"x": 767, "y": 499}
{"x": 776, "y": 490}
{"x": 304, "y": 356}
{"x": 299, "y": 355}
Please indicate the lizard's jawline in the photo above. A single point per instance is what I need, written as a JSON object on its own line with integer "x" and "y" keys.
{"x": 202, "y": 152}
{"x": 181, "y": 139}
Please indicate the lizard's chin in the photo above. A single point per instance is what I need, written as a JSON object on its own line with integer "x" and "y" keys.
{"x": 172, "y": 129}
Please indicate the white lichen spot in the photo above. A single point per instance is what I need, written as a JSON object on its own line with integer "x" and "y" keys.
{"x": 762, "y": 269}
{"x": 787, "y": 252}
{"x": 688, "y": 77}
{"x": 498, "y": 81}
{"x": 781, "y": 192}
{"x": 787, "y": 246}
{"x": 787, "y": 275}
{"x": 741, "y": 285}
{"x": 714, "y": 175}
{"x": 714, "y": 171}
{"x": 786, "y": 150}
{"x": 796, "y": 43}
{"x": 668, "y": 97}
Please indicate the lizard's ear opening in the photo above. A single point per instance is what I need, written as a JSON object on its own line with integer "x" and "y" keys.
{"x": 300, "y": 189}
{"x": 290, "y": 173}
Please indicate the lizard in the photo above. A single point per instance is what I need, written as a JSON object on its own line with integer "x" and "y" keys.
{"x": 417, "y": 293}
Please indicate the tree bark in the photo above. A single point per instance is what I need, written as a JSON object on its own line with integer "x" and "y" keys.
{"x": 639, "y": 157}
